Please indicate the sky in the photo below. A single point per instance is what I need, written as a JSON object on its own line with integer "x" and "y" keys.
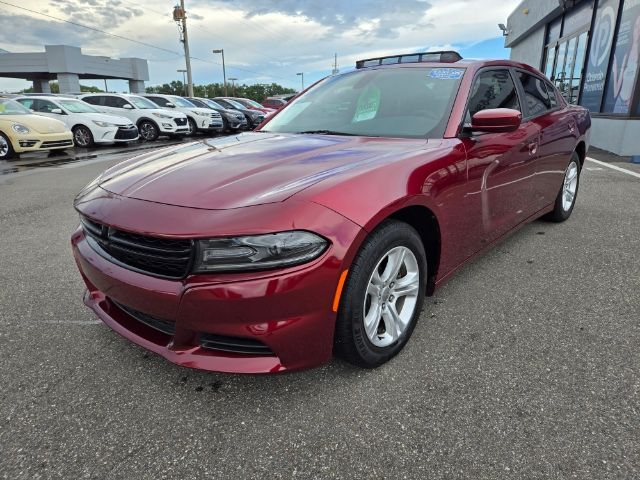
{"x": 264, "y": 41}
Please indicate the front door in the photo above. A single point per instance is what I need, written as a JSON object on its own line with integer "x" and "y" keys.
{"x": 501, "y": 166}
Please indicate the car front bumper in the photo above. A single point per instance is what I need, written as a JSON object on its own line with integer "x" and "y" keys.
{"x": 116, "y": 134}
{"x": 37, "y": 142}
{"x": 281, "y": 319}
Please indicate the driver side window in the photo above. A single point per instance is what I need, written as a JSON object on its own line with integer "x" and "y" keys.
{"x": 492, "y": 89}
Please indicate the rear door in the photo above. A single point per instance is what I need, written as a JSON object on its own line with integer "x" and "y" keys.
{"x": 501, "y": 166}
{"x": 557, "y": 130}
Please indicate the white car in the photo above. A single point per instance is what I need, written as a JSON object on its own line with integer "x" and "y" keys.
{"x": 201, "y": 119}
{"x": 151, "y": 120}
{"x": 88, "y": 125}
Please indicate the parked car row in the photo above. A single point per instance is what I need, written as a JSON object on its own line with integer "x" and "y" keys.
{"x": 86, "y": 119}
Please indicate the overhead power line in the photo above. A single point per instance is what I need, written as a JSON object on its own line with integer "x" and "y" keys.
{"x": 139, "y": 42}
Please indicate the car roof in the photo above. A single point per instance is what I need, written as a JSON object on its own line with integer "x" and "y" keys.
{"x": 466, "y": 63}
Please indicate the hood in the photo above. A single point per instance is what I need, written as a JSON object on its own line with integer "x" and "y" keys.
{"x": 103, "y": 117}
{"x": 249, "y": 169}
{"x": 164, "y": 111}
{"x": 40, "y": 123}
{"x": 203, "y": 111}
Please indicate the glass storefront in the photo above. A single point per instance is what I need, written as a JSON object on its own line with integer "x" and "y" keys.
{"x": 592, "y": 54}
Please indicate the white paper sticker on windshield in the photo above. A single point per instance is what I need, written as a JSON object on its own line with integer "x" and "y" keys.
{"x": 368, "y": 104}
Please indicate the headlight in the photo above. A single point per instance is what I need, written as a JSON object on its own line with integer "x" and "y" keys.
{"x": 103, "y": 124}
{"x": 161, "y": 115}
{"x": 18, "y": 128}
{"x": 202, "y": 114}
{"x": 258, "y": 252}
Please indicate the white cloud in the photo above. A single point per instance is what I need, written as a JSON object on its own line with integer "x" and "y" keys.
{"x": 263, "y": 39}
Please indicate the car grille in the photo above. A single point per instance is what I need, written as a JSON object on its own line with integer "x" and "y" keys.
{"x": 58, "y": 143}
{"x": 246, "y": 346}
{"x": 159, "y": 256}
{"x": 126, "y": 132}
{"x": 159, "y": 324}
{"x": 180, "y": 121}
{"x": 215, "y": 115}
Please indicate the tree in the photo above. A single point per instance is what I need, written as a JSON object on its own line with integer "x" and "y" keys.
{"x": 255, "y": 92}
{"x": 55, "y": 88}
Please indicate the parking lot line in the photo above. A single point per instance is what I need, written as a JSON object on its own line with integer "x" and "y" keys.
{"x": 614, "y": 167}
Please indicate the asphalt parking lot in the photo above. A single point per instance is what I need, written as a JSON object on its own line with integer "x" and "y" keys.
{"x": 525, "y": 365}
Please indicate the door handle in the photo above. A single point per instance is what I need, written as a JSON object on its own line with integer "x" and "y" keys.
{"x": 533, "y": 148}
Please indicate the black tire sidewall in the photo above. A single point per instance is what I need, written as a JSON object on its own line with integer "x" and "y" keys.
{"x": 351, "y": 340}
{"x": 193, "y": 126}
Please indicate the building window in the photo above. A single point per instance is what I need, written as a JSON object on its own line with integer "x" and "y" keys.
{"x": 623, "y": 74}
{"x": 599, "y": 52}
{"x": 564, "y": 64}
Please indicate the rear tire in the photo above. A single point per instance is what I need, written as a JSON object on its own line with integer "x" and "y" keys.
{"x": 6, "y": 149}
{"x": 566, "y": 199}
{"x": 82, "y": 136}
{"x": 382, "y": 297}
{"x": 148, "y": 130}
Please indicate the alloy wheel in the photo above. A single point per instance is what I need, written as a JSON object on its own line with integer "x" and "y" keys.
{"x": 570, "y": 186}
{"x": 147, "y": 131}
{"x": 391, "y": 297}
{"x": 4, "y": 147}
{"x": 82, "y": 137}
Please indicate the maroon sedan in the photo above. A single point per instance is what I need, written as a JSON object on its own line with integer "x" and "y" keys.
{"x": 323, "y": 231}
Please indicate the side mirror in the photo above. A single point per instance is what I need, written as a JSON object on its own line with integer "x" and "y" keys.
{"x": 169, "y": 105}
{"x": 57, "y": 111}
{"x": 127, "y": 106}
{"x": 496, "y": 120}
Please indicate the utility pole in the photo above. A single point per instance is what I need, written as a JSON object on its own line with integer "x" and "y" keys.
{"x": 224, "y": 70}
{"x": 301, "y": 74}
{"x": 233, "y": 85}
{"x": 184, "y": 84}
{"x": 180, "y": 17}
{"x": 335, "y": 64}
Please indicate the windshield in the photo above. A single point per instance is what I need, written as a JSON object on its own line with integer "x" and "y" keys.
{"x": 181, "y": 102}
{"x": 76, "y": 106}
{"x": 142, "y": 103}
{"x": 232, "y": 104}
{"x": 412, "y": 102}
{"x": 251, "y": 102}
{"x": 213, "y": 104}
{"x": 11, "y": 107}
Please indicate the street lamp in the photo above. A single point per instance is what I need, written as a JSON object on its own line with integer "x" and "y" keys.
{"x": 233, "y": 85}
{"x": 224, "y": 71}
{"x": 301, "y": 74}
{"x": 184, "y": 84}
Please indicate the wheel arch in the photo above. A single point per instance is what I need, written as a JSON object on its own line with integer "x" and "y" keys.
{"x": 426, "y": 223}
{"x": 147, "y": 119}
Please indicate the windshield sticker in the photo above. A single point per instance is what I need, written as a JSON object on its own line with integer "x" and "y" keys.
{"x": 368, "y": 104}
{"x": 446, "y": 73}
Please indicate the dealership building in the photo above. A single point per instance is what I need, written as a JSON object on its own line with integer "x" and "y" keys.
{"x": 590, "y": 49}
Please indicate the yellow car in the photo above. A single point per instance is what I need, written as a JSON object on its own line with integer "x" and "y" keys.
{"x": 22, "y": 131}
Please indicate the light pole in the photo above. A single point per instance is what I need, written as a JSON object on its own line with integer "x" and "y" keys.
{"x": 184, "y": 84}
{"x": 301, "y": 74}
{"x": 224, "y": 71}
{"x": 233, "y": 85}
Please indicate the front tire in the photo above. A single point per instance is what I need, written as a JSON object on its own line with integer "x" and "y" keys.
{"x": 82, "y": 137}
{"x": 193, "y": 128}
{"x": 383, "y": 296}
{"x": 566, "y": 199}
{"x": 148, "y": 131}
{"x": 6, "y": 149}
